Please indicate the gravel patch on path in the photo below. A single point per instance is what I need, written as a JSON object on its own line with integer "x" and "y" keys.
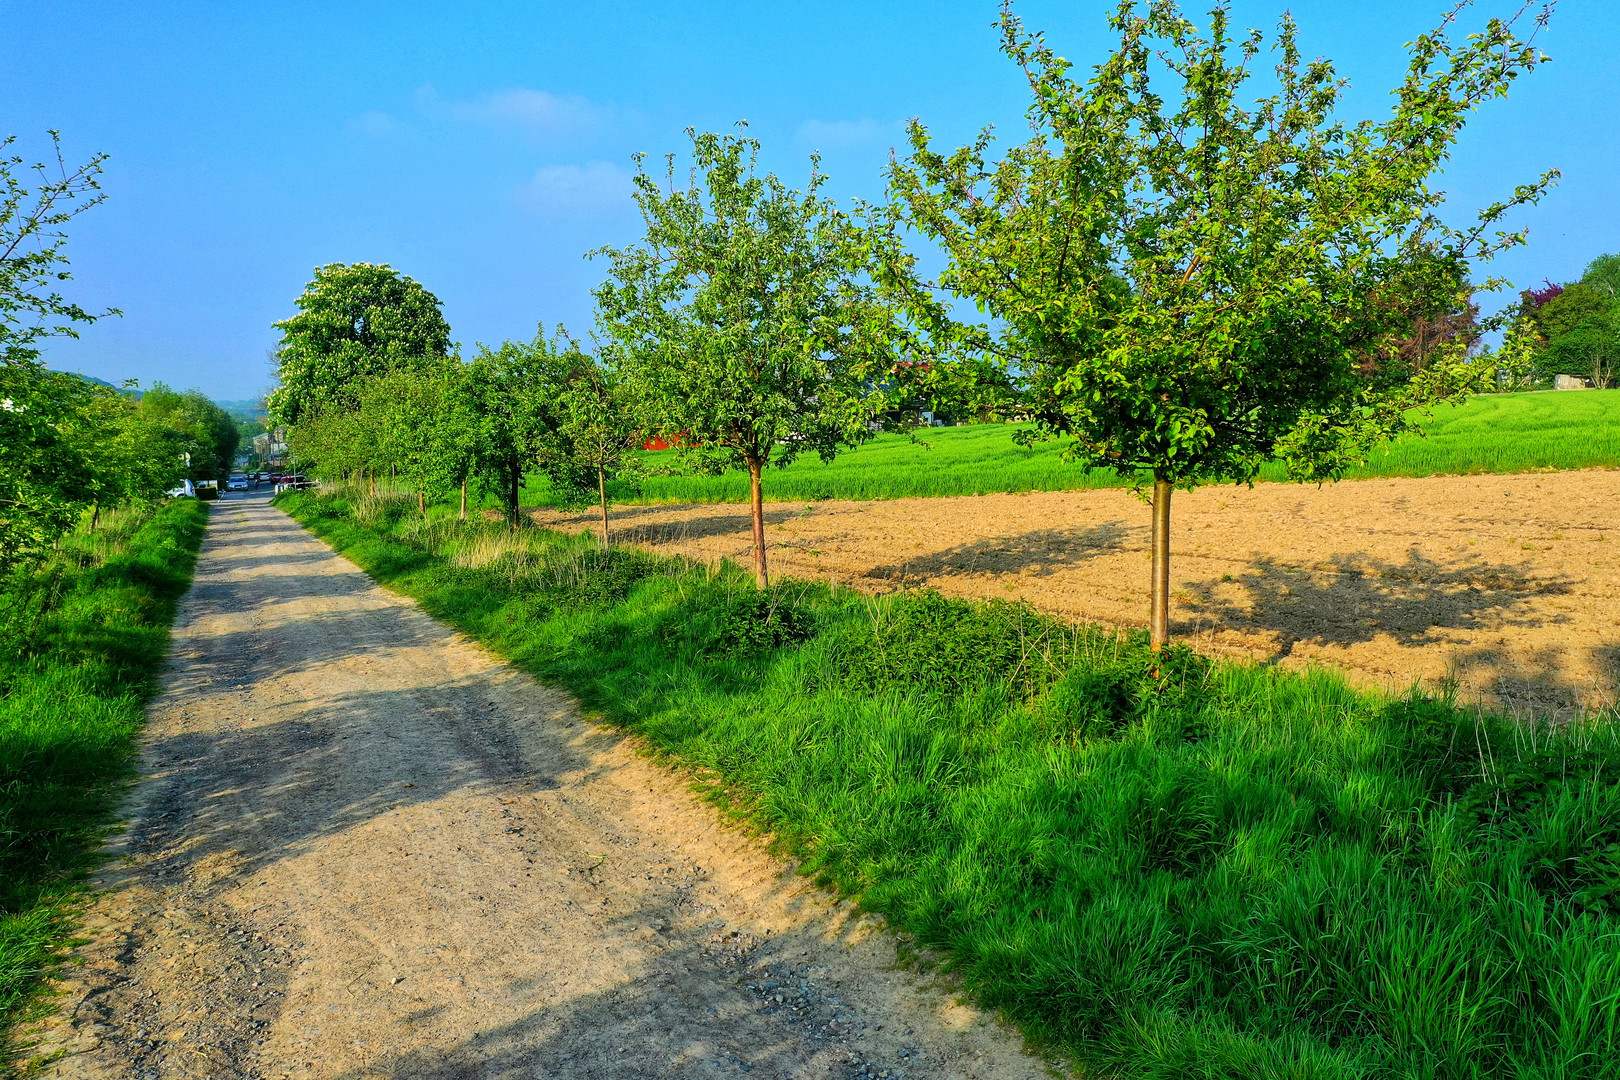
{"x": 363, "y": 847}
{"x": 1509, "y": 585}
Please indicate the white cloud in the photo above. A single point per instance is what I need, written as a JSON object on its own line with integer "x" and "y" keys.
{"x": 533, "y": 111}
{"x": 596, "y": 189}
{"x": 834, "y": 134}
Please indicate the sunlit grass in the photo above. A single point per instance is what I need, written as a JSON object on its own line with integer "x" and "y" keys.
{"x": 1166, "y": 870}
{"x": 82, "y": 639}
{"x": 1501, "y": 433}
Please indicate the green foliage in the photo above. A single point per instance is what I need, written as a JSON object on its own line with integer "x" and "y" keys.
{"x": 592, "y": 433}
{"x": 1494, "y": 433}
{"x": 32, "y": 238}
{"x": 1190, "y": 286}
{"x": 1581, "y": 325}
{"x": 506, "y": 401}
{"x": 41, "y": 464}
{"x": 200, "y": 432}
{"x": 353, "y": 323}
{"x": 1161, "y": 866}
{"x": 748, "y": 622}
{"x": 742, "y": 322}
{"x": 584, "y": 578}
{"x": 82, "y": 639}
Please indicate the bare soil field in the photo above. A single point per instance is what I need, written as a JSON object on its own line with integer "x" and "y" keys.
{"x": 364, "y": 847}
{"x": 1509, "y": 585}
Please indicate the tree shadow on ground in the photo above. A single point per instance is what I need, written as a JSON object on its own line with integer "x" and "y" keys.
{"x": 1415, "y": 604}
{"x": 1040, "y": 553}
{"x": 1354, "y": 598}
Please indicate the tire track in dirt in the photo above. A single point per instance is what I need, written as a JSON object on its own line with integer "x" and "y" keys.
{"x": 1509, "y": 585}
{"x": 362, "y": 847}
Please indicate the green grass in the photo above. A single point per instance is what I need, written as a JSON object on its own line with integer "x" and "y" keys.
{"x": 1499, "y": 433}
{"x": 1212, "y": 870}
{"x": 81, "y": 642}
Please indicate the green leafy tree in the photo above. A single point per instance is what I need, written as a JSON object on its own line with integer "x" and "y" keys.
{"x": 204, "y": 434}
{"x": 130, "y": 455}
{"x": 418, "y": 430}
{"x": 593, "y": 432}
{"x": 1581, "y": 325}
{"x": 743, "y": 318}
{"x": 502, "y": 400}
{"x": 1186, "y": 286}
{"x": 42, "y": 462}
{"x": 354, "y": 323}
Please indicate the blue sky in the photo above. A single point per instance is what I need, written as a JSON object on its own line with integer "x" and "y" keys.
{"x": 482, "y": 148}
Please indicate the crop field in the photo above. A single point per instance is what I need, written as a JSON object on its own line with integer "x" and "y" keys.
{"x": 1190, "y": 868}
{"x": 1500, "y": 433}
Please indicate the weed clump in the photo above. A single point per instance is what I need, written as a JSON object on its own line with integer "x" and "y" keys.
{"x": 752, "y": 621}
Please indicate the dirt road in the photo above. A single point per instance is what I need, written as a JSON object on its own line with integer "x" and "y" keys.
{"x": 1511, "y": 584}
{"x": 365, "y": 848}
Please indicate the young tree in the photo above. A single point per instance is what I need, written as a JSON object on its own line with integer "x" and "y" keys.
{"x": 41, "y": 465}
{"x": 742, "y": 317}
{"x": 502, "y": 398}
{"x": 1187, "y": 286}
{"x": 418, "y": 431}
{"x": 593, "y": 433}
{"x": 354, "y": 323}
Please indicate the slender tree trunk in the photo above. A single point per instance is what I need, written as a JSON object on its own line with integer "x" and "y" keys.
{"x": 601, "y": 491}
{"x": 95, "y": 516}
{"x": 463, "y": 500}
{"x": 515, "y": 476}
{"x": 421, "y": 503}
{"x": 756, "y": 498}
{"x": 1160, "y": 621}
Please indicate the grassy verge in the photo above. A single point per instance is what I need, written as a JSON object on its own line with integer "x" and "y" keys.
{"x": 1208, "y": 870}
{"x": 1501, "y": 433}
{"x": 81, "y": 642}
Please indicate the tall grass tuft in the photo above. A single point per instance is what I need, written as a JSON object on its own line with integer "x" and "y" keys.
{"x": 1170, "y": 869}
{"x": 84, "y": 636}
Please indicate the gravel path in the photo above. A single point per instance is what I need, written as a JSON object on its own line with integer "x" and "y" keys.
{"x": 363, "y": 847}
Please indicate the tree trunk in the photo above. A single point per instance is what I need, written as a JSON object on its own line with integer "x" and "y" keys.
{"x": 515, "y": 484}
{"x": 421, "y": 503}
{"x": 464, "y": 500}
{"x": 756, "y": 498}
{"x": 95, "y": 516}
{"x": 601, "y": 491}
{"x": 1160, "y": 622}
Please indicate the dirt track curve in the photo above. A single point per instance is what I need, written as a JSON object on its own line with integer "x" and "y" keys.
{"x": 363, "y": 847}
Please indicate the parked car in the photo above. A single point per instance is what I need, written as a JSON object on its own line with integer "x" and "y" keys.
{"x": 294, "y": 482}
{"x": 186, "y": 490}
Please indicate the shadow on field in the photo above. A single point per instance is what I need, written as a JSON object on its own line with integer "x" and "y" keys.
{"x": 738, "y": 522}
{"x": 1040, "y": 553}
{"x": 1355, "y": 598}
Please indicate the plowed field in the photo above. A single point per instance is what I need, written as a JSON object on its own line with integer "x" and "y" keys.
{"x": 1510, "y": 585}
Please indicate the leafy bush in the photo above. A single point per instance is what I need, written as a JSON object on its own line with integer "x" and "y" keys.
{"x": 750, "y": 621}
